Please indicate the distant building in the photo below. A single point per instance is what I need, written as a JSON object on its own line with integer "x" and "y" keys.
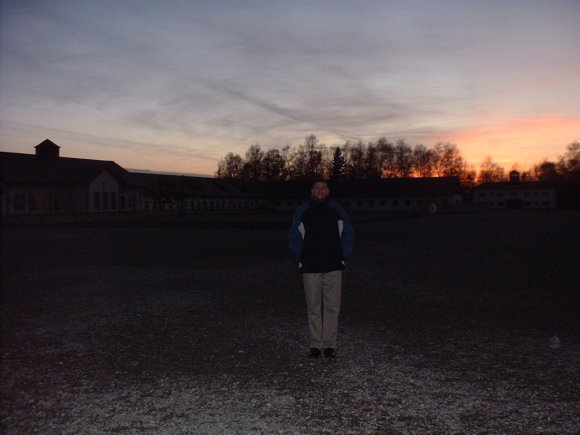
{"x": 392, "y": 194}
{"x": 515, "y": 194}
{"x": 187, "y": 193}
{"x": 46, "y": 183}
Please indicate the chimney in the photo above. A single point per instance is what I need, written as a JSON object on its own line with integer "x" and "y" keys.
{"x": 47, "y": 149}
{"x": 514, "y": 177}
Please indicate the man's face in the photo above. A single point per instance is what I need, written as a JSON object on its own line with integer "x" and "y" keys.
{"x": 320, "y": 191}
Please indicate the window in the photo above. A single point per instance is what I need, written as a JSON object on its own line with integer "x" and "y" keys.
{"x": 97, "y": 200}
{"x": 105, "y": 200}
{"x": 113, "y": 200}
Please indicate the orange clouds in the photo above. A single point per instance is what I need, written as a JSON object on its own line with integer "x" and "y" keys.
{"x": 510, "y": 140}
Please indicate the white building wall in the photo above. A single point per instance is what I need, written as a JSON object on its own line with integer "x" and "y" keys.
{"x": 528, "y": 198}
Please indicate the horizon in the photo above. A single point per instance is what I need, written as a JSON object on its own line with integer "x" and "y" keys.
{"x": 175, "y": 87}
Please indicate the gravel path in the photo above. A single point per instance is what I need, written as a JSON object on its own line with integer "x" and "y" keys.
{"x": 448, "y": 326}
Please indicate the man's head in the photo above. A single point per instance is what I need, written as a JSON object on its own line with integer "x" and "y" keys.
{"x": 320, "y": 190}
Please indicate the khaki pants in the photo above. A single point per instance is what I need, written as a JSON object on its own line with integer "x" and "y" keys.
{"x": 323, "y": 293}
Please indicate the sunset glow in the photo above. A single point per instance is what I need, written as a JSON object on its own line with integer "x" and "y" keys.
{"x": 521, "y": 141}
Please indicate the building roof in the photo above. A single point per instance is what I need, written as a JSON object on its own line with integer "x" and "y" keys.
{"x": 47, "y": 144}
{"x": 18, "y": 168}
{"x": 190, "y": 185}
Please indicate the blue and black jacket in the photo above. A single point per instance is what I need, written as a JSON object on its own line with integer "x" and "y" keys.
{"x": 321, "y": 237}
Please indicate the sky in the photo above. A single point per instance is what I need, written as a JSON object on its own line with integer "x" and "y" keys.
{"x": 173, "y": 86}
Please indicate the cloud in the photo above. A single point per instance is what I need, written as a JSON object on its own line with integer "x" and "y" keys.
{"x": 218, "y": 76}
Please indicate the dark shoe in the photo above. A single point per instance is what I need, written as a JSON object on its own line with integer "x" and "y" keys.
{"x": 314, "y": 353}
{"x": 329, "y": 352}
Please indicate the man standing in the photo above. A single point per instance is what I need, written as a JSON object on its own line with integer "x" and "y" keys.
{"x": 321, "y": 239}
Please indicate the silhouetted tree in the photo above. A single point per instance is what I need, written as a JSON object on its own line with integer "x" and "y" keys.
{"x": 355, "y": 160}
{"x": 547, "y": 172}
{"x": 423, "y": 161}
{"x": 372, "y": 161}
{"x": 386, "y": 152}
{"x": 273, "y": 165}
{"x": 447, "y": 160}
{"x": 489, "y": 171}
{"x": 403, "y": 159}
{"x": 338, "y": 167}
{"x": 385, "y": 160}
{"x": 570, "y": 162}
{"x": 314, "y": 166}
{"x": 468, "y": 177}
{"x": 286, "y": 156}
{"x": 230, "y": 166}
{"x": 253, "y": 166}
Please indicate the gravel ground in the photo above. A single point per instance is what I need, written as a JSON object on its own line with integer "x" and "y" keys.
{"x": 449, "y": 325}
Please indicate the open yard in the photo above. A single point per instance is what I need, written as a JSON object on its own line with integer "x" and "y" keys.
{"x": 459, "y": 323}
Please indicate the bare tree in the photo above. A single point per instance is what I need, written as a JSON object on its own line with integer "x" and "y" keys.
{"x": 372, "y": 161}
{"x": 386, "y": 152}
{"x": 403, "y": 159}
{"x": 273, "y": 165}
{"x": 253, "y": 166}
{"x": 355, "y": 159}
{"x": 230, "y": 166}
{"x": 570, "y": 162}
{"x": 489, "y": 171}
{"x": 423, "y": 161}
{"x": 314, "y": 166}
{"x": 447, "y": 160}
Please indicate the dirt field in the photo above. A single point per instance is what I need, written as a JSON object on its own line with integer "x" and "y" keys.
{"x": 464, "y": 323}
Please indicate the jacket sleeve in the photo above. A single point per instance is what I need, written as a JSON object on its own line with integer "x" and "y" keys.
{"x": 347, "y": 234}
{"x": 295, "y": 238}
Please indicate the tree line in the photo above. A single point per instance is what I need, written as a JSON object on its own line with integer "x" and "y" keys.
{"x": 380, "y": 159}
